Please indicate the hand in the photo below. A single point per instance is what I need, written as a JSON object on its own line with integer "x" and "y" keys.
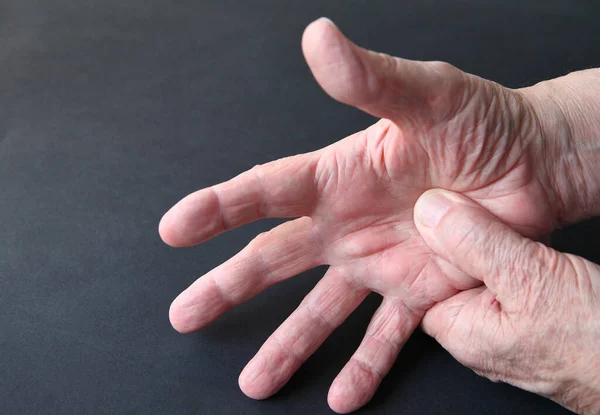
{"x": 536, "y": 322}
{"x": 441, "y": 128}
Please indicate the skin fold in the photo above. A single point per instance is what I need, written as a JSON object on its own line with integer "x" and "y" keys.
{"x": 352, "y": 207}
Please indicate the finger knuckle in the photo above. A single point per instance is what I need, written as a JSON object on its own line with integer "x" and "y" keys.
{"x": 377, "y": 81}
{"x": 261, "y": 238}
{"x": 319, "y": 318}
{"x": 529, "y": 263}
{"x": 258, "y": 247}
{"x": 442, "y": 68}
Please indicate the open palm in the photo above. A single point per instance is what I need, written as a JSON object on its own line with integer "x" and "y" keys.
{"x": 354, "y": 202}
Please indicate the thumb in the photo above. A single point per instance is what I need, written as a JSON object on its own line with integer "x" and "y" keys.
{"x": 478, "y": 243}
{"x": 460, "y": 313}
{"x": 384, "y": 86}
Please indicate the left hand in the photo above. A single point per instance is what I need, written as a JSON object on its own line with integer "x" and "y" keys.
{"x": 536, "y": 322}
{"x": 441, "y": 127}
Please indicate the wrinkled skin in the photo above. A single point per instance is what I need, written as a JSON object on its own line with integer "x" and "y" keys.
{"x": 536, "y": 321}
{"x": 440, "y": 128}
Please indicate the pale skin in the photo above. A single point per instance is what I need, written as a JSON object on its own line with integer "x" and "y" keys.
{"x": 536, "y": 321}
{"x": 354, "y": 203}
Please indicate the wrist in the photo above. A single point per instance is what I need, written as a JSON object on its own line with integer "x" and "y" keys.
{"x": 581, "y": 393}
{"x": 567, "y": 111}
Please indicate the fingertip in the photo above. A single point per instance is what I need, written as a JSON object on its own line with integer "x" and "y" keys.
{"x": 178, "y": 318}
{"x": 173, "y": 226}
{"x": 254, "y": 383}
{"x": 435, "y": 210}
{"x": 246, "y": 386}
{"x": 317, "y": 31}
{"x": 192, "y": 220}
{"x": 334, "y": 63}
{"x": 431, "y": 207}
{"x": 185, "y": 316}
{"x": 167, "y": 231}
{"x": 341, "y": 400}
{"x": 351, "y": 390}
{"x": 428, "y": 212}
{"x": 337, "y": 403}
{"x": 316, "y": 37}
{"x": 249, "y": 389}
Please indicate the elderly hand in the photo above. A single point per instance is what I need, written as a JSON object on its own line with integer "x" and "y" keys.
{"x": 354, "y": 202}
{"x": 536, "y": 322}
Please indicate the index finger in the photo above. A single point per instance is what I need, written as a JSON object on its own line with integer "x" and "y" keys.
{"x": 283, "y": 188}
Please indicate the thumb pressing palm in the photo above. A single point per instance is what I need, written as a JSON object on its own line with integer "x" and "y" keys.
{"x": 536, "y": 321}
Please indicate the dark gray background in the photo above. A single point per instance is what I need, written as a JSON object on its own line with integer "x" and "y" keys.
{"x": 110, "y": 111}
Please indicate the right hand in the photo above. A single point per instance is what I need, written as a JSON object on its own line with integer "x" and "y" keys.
{"x": 535, "y": 323}
{"x": 441, "y": 128}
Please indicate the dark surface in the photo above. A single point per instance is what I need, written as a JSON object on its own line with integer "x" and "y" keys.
{"x": 110, "y": 111}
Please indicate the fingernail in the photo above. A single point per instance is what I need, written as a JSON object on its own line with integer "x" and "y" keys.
{"x": 431, "y": 208}
{"x": 328, "y": 20}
